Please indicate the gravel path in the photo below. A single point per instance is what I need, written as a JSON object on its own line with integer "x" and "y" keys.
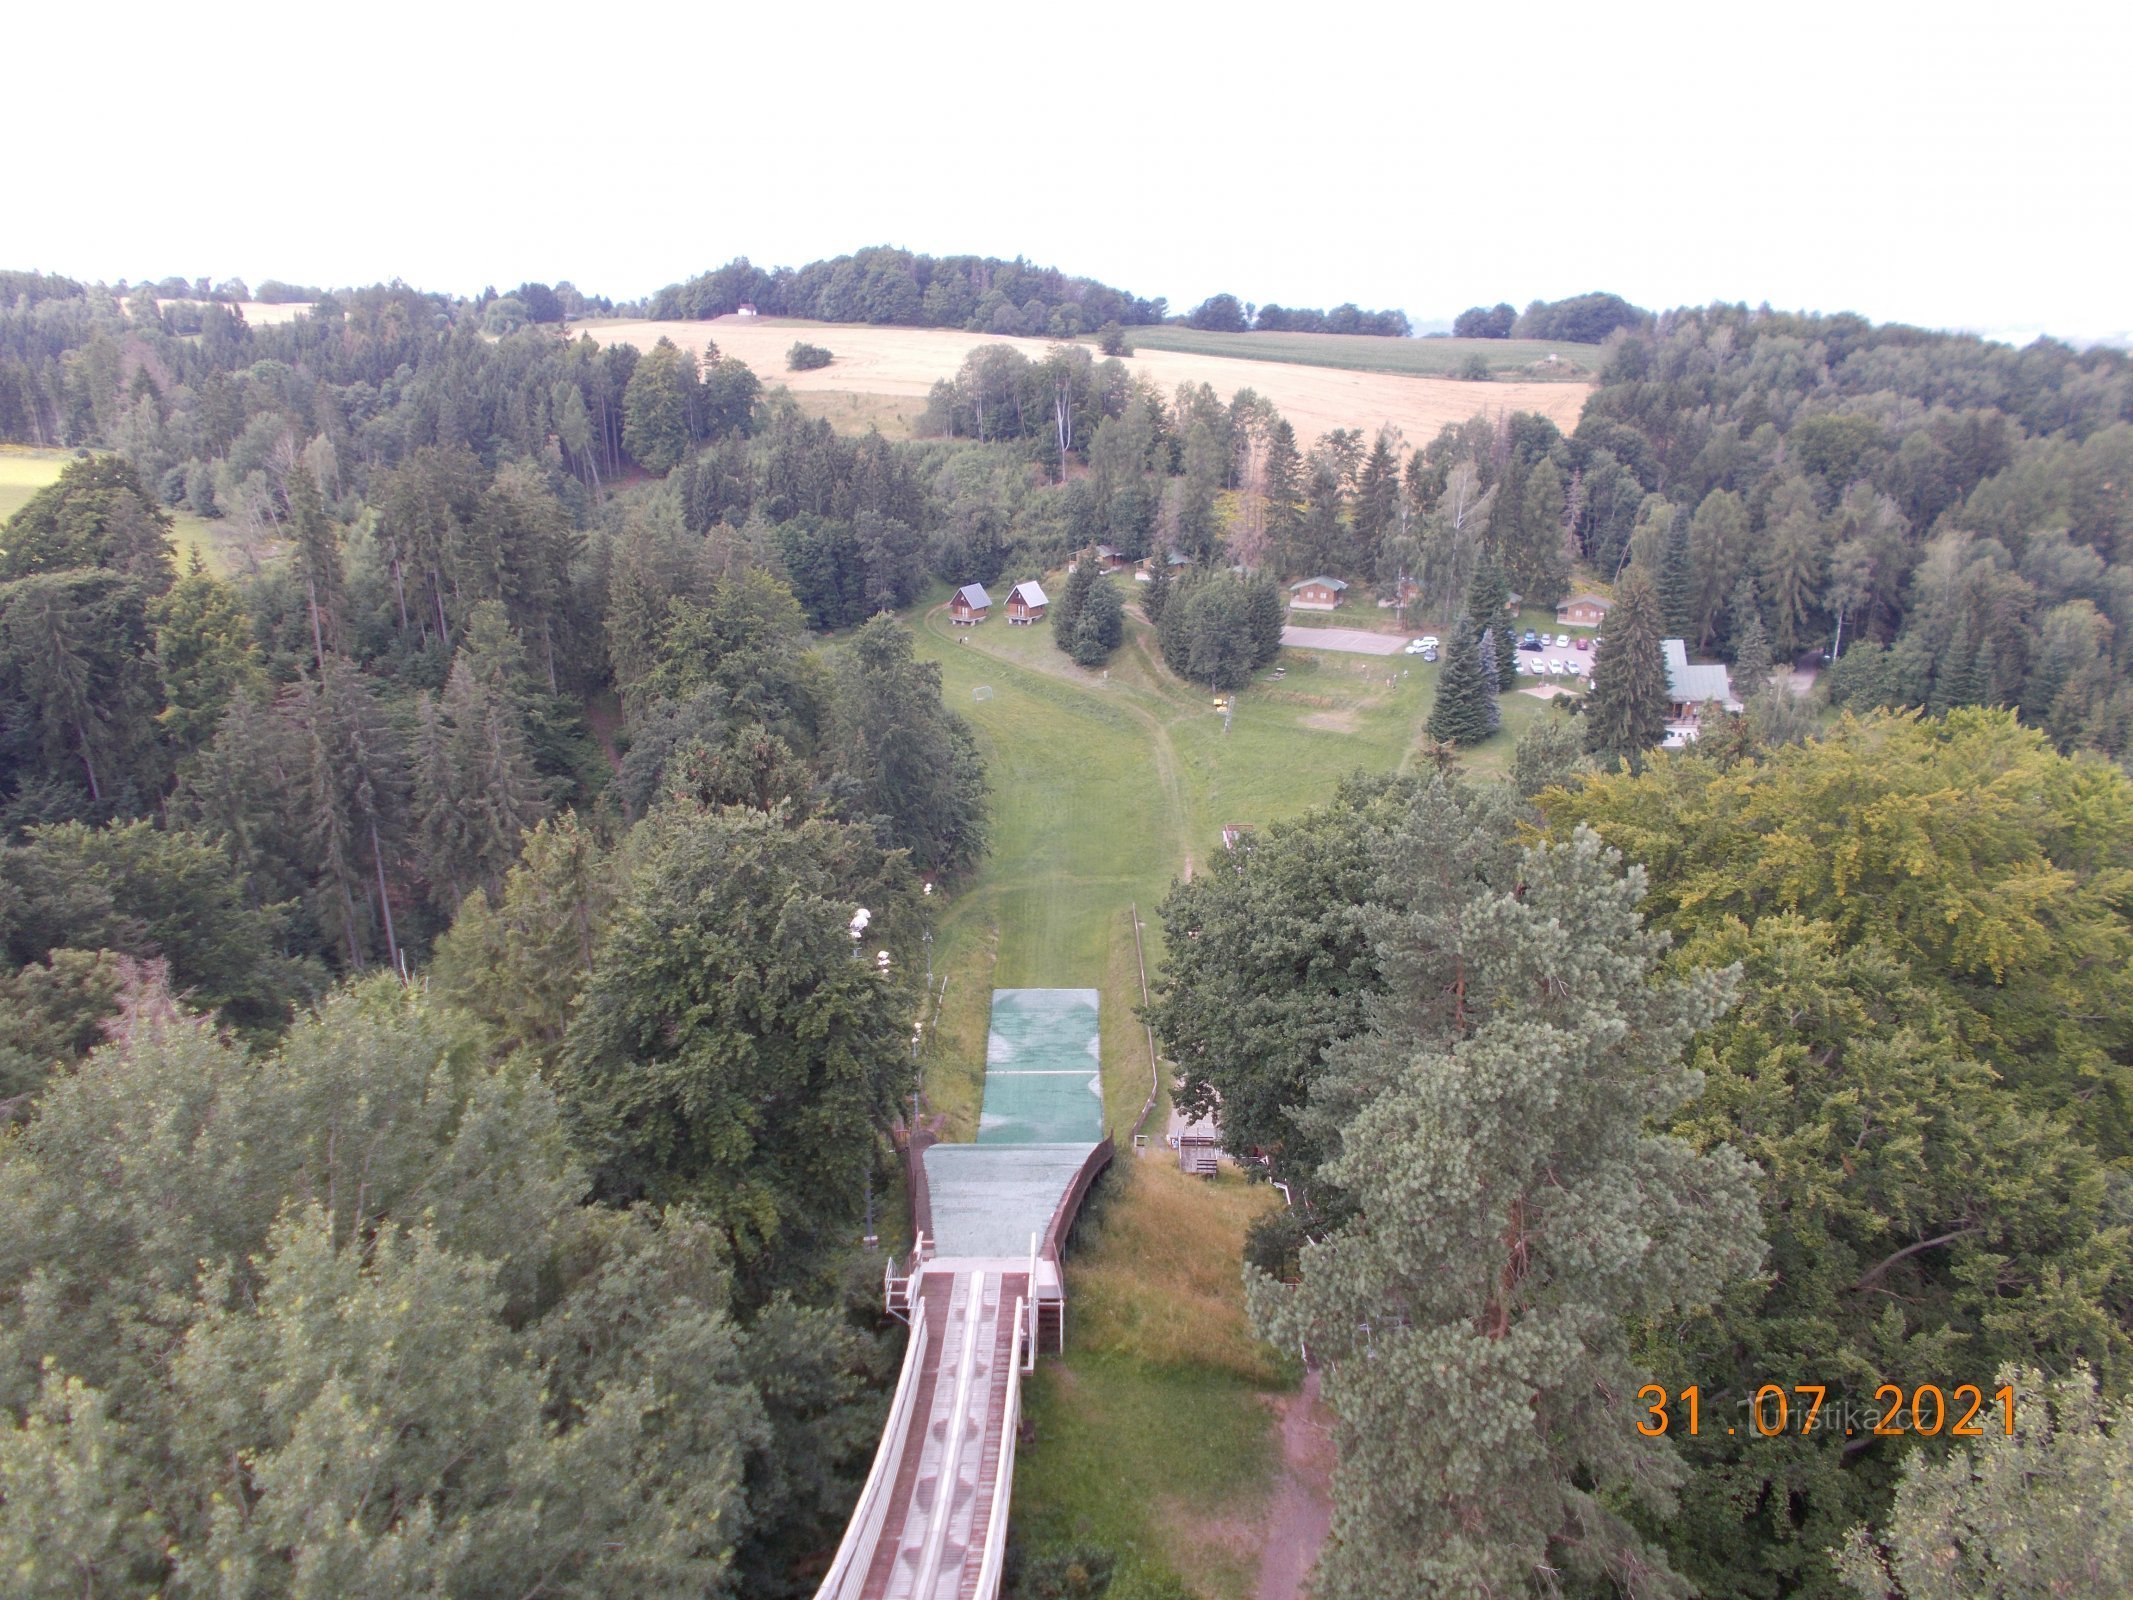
{"x": 1352, "y": 641}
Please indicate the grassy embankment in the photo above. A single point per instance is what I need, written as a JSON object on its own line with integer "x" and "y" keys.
{"x": 23, "y": 472}
{"x": 1151, "y": 1435}
{"x": 1527, "y": 359}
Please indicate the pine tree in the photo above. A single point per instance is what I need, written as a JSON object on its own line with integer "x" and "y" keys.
{"x": 1465, "y": 712}
{"x": 1677, "y": 580}
{"x": 1627, "y": 713}
{"x": 1514, "y": 1215}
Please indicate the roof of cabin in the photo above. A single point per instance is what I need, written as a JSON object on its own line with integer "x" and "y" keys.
{"x": 973, "y": 594}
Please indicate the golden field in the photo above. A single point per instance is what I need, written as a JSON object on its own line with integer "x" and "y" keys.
{"x": 893, "y": 364}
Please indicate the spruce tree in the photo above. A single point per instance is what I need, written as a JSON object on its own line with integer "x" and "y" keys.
{"x": 1627, "y": 713}
{"x": 1677, "y": 580}
{"x": 1066, "y": 610}
{"x": 1488, "y": 592}
{"x": 1156, "y": 598}
{"x": 1465, "y": 712}
{"x": 1492, "y": 675}
{"x": 1752, "y": 665}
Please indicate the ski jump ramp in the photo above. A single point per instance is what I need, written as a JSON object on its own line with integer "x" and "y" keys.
{"x": 982, "y": 1293}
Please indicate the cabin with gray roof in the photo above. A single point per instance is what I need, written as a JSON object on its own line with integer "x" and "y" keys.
{"x": 1026, "y": 603}
{"x": 1693, "y": 686}
{"x": 969, "y": 606}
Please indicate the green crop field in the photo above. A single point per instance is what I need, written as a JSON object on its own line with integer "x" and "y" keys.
{"x": 1419, "y": 358}
{"x": 1106, "y": 785}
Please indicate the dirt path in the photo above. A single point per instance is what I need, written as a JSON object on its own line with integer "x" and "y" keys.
{"x": 1300, "y": 1514}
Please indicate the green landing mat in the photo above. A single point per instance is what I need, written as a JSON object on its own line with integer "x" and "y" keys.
{"x": 1043, "y": 1069}
{"x": 1044, "y": 1109}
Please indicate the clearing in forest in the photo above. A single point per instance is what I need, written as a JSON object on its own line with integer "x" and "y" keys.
{"x": 887, "y": 363}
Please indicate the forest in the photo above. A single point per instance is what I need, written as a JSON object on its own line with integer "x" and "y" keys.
{"x": 431, "y": 912}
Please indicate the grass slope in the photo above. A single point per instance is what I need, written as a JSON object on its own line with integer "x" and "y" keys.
{"x": 1152, "y": 1435}
{"x": 1354, "y": 352}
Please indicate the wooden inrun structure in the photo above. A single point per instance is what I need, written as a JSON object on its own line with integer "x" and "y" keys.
{"x": 931, "y": 1522}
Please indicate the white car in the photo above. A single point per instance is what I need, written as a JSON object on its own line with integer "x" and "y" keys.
{"x": 1574, "y": 667}
{"x": 1414, "y": 649}
{"x": 1562, "y": 641}
{"x": 1555, "y": 669}
{"x": 1428, "y": 641}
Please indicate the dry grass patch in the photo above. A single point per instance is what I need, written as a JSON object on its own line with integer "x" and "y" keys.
{"x": 1156, "y": 1273}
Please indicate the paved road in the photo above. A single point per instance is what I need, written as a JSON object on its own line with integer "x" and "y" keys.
{"x": 1352, "y": 641}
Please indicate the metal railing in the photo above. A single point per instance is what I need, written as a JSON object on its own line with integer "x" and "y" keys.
{"x": 1003, "y": 1481}
{"x": 848, "y": 1573}
{"x": 951, "y": 1461}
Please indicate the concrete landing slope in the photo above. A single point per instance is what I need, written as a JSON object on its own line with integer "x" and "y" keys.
{"x": 983, "y": 1294}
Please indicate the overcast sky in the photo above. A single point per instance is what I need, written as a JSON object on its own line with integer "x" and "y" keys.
{"x": 1947, "y": 165}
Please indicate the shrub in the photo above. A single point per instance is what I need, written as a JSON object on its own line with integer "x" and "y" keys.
{"x": 1111, "y": 340}
{"x": 805, "y": 357}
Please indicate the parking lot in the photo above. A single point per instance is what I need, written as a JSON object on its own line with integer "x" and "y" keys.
{"x": 1534, "y": 663}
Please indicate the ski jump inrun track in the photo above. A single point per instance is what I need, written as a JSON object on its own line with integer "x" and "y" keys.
{"x": 982, "y": 1293}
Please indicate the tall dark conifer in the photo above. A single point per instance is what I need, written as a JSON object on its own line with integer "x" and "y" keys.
{"x": 1465, "y": 712}
{"x": 1628, "y": 710}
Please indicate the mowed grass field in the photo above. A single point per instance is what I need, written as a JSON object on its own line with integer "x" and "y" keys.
{"x": 1153, "y": 1435}
{"x": 24, "y": 472}
{"x": 882, "y": 365}
{"x": 1540, "y": 360}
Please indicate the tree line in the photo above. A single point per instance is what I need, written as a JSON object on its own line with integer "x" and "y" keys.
{"x": 884, "y": 285}
{"x": 1818, "y": 1091}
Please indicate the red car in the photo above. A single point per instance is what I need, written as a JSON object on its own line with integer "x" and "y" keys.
{"x": 1584, "y": 643}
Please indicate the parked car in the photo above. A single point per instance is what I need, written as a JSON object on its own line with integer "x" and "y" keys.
{"x": 1412, "y": 649}
{"x": 1574, "y": 667}
{"x": 1555, "y": 669}
{"x": 1562, "y": 641}
{"x": 1529, "y": 640}
{"x": 1584, "y": 643}
{"x": 1428, "y": 641}
{"x": 1430, "y": 654}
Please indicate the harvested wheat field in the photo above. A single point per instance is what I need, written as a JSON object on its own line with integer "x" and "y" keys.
{"x": 907, "y": 362}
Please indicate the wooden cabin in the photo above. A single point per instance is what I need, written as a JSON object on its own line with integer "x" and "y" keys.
{"x": 1026, "y": 603}
{"x": 1109, "y": 558}
{"x": 969, "y": 606}
{"x": 1316, "y": 594}
{"x": 1582, "y": 611}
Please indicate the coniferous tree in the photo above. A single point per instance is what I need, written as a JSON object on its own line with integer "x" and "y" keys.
{"x": 1269, "y": 615}
{"x": 1465, "y": 712}
{"x": 1677, "y": 580}
{"x": 1065, "y": 615}
{"x": 1627, "y": 712}
{"x": 1488, "y": 594}
{"x": 205, "y": 652}
{"x": 318, "y": 561}
{"x": 1156, "y": 597}
{"x": 1100, "y": 626}
{"x": 1284, "y": 492}
{"x": 1752, "y": 665}
{"x": 1514, "y": 1216}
